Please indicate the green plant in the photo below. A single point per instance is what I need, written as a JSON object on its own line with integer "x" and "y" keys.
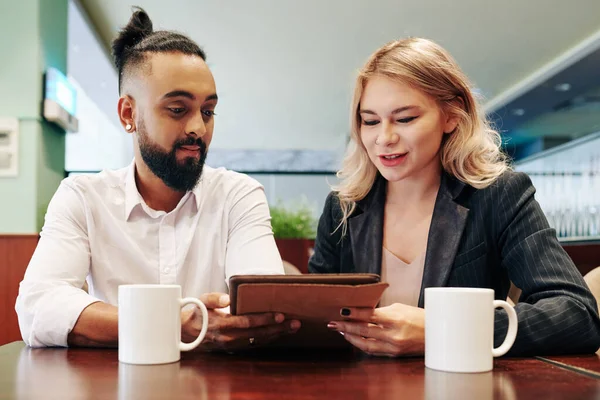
{"x": 293, "y": 222}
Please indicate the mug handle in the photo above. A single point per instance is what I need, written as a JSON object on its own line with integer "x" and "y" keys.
{"x": 202, "y": 307}
{"x": 512, "y": 328}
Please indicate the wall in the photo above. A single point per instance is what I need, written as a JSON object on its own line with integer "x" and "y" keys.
{"x": 294, "y": 189}
{"x": 101, "y": 141}
{"x": 37, "y": 32}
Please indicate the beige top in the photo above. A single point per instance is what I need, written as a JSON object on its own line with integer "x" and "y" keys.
{"x": 405, "y": 279}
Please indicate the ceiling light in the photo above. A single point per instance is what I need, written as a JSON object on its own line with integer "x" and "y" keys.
{"x": 562, "y": 87}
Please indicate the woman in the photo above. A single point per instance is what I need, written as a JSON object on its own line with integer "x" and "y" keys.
{"x": 426, "y": 198}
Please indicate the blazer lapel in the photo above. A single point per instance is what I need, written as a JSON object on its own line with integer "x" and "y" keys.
{"x": 447, "y": 226}
{"x": 366, "y": 230}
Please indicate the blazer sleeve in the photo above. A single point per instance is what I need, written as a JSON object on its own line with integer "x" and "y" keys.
{"x": 557, "y": 313}
{"x": 326, "y": 256}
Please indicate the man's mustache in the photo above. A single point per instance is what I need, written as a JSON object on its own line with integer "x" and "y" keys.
{"x": 191, "y": 141}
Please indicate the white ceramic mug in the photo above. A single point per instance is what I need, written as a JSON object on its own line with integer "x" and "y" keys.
{"x": 150, "y": 324}
{"x": 459, "y": 329}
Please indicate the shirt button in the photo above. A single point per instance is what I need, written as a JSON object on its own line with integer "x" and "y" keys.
{"x": 167, "y": 270}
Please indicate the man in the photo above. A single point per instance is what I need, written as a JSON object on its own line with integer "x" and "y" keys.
{"x": 165, "y": 219}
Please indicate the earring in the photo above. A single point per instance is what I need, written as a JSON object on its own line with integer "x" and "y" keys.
{"x": 128, "y": 127}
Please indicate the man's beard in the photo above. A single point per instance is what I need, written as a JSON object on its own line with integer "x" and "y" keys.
{"x": 180, "y": 176}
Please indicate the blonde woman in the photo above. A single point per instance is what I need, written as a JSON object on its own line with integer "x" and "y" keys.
{"x": 426, "y": 198}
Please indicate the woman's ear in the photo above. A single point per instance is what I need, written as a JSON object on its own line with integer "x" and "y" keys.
{"x": 450, "y": 124}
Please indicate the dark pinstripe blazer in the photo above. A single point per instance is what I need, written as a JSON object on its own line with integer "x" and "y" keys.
{"x": 480, "y": 238}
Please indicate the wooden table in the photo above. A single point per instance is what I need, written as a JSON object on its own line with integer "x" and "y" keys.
{"x": 96, "y": 374}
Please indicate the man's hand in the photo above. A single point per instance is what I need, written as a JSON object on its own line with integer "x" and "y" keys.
{"x": 232, "y": 332}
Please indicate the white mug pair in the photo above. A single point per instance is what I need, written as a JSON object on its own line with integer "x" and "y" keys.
{"x": 150, "y": 324}
{"x": 459, "y": 326}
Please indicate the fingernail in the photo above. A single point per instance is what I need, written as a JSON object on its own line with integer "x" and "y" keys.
{"x": 279, "y": 318}
{"x": 295, "y": 325}
{"x": 332, "y": 325}
{"x": 224, "y": 300}
{"x": 345, "y": 312}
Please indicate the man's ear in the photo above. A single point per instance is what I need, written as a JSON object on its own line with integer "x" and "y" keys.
{"x": 126, "y": 110}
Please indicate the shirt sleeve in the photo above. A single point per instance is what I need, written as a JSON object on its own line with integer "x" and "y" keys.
{"x": 251, "y": 248}
{"x": 50, "y": 296}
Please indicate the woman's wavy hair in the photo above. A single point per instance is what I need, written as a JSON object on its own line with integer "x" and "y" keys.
{"x": 471, "y": 153}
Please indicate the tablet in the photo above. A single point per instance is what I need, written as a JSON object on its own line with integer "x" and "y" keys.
{"x": 314, "y": 299}
{"x": 260, "y": 281}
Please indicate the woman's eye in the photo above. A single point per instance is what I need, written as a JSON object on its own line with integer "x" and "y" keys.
{"x": 370, "y": 122}
{"x": 406, "y": 120}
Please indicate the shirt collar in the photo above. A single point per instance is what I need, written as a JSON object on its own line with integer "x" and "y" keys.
{"x": 133, "y": 197}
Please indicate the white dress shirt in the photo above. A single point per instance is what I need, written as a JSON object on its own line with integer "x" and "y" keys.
{"x": 98, "y": 228}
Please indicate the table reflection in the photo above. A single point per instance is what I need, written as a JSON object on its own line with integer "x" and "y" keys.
{"x": 97, "y": 374}
{"x": 71, "y": 374}
{"x": 482, "y": 386}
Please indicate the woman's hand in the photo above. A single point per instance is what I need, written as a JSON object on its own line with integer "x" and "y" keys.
{"x": 393, "y": 331}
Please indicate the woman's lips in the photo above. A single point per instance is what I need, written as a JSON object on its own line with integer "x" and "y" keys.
{"x": 392, "y": 160}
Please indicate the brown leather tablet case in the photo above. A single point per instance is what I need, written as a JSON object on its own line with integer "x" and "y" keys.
{"x": 315, "y": 300}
